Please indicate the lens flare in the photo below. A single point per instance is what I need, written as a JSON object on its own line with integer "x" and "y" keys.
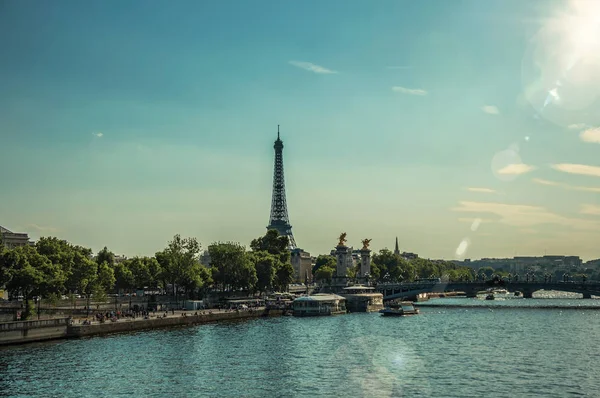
{"x": 561, "y": 67}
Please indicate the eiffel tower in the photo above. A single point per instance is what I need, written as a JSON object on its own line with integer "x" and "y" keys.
{"x": 279, "y": 220}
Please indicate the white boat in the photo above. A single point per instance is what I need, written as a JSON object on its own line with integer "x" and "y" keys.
{"x": 402, "y": 309}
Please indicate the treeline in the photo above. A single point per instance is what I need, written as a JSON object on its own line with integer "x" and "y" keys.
{"x": 54, "y": 267}
{"x": 389, "y": 267}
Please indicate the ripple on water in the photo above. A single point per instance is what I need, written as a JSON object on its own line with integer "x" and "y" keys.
{"x": 450, "y": 352}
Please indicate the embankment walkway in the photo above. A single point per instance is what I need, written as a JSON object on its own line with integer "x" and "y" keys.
{"x": 49, "y": 329}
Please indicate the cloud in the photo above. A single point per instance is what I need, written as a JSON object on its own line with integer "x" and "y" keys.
{"x": 37, "y": 228}
{"x": 98, "y": 134}
{"x": 590, "y": 135}
{"x": 576, "y": 126}
{"x": 490, "y": 109}
{"x": 581, "y": 169}
{"x": 411, "y": 91}
{"x": 524, "y": 216}
{"x": 545, "y": 182}
{"x": 312, "y": 67}
{"x": 565, "y": 186}
{"x": 516, "y": 169}
{"x": 482, "y": 190}
{"x": 593, "y": 210}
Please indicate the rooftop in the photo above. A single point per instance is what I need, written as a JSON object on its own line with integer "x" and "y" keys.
{"x": 320, "y": 297}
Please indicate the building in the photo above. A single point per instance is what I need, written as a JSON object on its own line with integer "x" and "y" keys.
{"x": 302, "y": 263}
{"x": 205, "y": 258}
{"x": 396, "y": 248}
{"x": 12, "y": 239}
{"x": 120, "y": 258}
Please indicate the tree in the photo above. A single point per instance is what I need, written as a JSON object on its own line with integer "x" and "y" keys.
{"x": 265, "y": 265}
{"x": 124, "y": 279}
{"x": 232, "y": 268}
{"x": 26, "y": 271}
{"x": 324, "y": 274}
{"x": 488, "y": 271}
{"x": 106, "y": 256}
{"x": 178, "y": 261}
{"x": 83, "y": 274}
{"x": 324, "y": 260}
{"x": 274, "y": 244}
{"x": 284, "y": 275}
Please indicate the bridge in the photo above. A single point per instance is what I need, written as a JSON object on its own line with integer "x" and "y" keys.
{"x": 392, "y": 291}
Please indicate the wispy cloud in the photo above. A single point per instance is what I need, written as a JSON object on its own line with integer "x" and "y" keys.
{"x": 98, "y": 134}
{"x": 581, "y": 169}
{"x": 312, "y": 67}
{"x": 545, "y": 182}
{"x": 40, "y": 229}
{"x": 576, "y": 126}
{"x": 490, "y": 109}
{"x": 593, "y": 210}
{"x": 472, "y": 220}
{"x": 482, "y": 190}
{"x": 524, "y": 216}
{"x": 590, "y": 135}
{"x": 411, "y": 91}
{"x": 401, "y": 67}
{"x": 565, "y": 186}
{"x": 516, "y": 169}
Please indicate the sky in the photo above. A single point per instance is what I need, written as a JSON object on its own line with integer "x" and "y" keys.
{"x": 467, "y": 129}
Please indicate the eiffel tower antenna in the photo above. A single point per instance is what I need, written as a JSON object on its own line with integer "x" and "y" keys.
{"x": 279, "y": 219}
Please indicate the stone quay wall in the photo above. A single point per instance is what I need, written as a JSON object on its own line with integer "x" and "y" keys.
{"x": 30, "y": 331}
{"x": 77, "y": 330}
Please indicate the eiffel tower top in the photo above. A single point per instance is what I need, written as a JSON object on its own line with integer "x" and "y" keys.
{"x": 278, "y": 142}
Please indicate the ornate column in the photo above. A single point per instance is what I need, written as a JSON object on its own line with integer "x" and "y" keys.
{"x": 341, "y": 253}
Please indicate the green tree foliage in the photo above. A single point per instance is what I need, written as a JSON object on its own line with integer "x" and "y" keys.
{"x": 124, "y": 279}
{"x": 271, "y": 259}
{"x": 232, "y": 268}
{"x": 266, "y": 266}
{"x": 324, "y": 274}
{"x": 284, "y": 275}
{"x": 179, "y": 263}
{"x": 106, "y": 256}
{"x": 488, "y": 271}
{"x": 324, "y": 260}
{"x": 274, "y": 244}
{"x": 387, "y": 266}
{"x": 26, "y": 272}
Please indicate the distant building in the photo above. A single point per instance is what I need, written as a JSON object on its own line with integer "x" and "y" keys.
{"x": 302, "y": 263}
{"x": 12, "y": 239}
{"x": 396, "y": 248}
{"x": 119, "y": 258}
{"x": 205, "y": 258}
{"x": 409, "y": 256}
{"x": 523, "y": 264}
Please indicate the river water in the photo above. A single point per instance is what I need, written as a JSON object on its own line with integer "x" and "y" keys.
{"x": 472, "y": 348}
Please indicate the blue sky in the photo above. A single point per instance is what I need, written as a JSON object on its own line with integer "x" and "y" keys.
{"x": 123, "y": 123}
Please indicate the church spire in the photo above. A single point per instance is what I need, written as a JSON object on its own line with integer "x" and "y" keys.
{"x": 397, "y": 249}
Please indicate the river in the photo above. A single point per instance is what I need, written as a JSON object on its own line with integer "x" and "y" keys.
{"x": 472, "y": 348}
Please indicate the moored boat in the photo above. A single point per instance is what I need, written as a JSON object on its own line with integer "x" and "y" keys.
{"x": 319, "y": 304}
{"x": 361, "y": 298}
{"x": 399, "y": 309}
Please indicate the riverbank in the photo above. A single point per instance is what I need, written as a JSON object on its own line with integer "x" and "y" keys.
{"x": 33, "y": 331}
